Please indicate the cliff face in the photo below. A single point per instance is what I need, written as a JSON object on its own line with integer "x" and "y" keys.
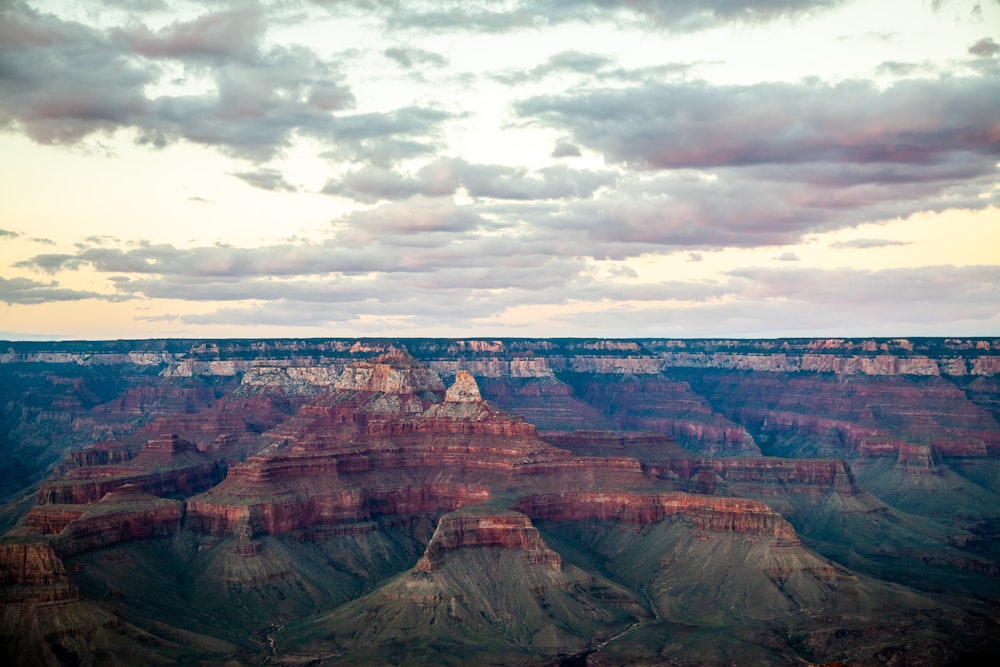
{"x": 852, "y": 416}
{"x": 641, "y": 402}
{"x": 719, "y": 515}
{"x": 32, "y": 572}
{"x": 398, "y": 488}
{"x": 165, "y": 466}
{"x": 469, "y": 529}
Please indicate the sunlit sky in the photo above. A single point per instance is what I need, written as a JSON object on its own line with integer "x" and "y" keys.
{"x": 694, "y": 168}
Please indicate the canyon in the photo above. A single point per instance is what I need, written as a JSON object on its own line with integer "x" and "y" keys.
{"x": 508, "y": 501}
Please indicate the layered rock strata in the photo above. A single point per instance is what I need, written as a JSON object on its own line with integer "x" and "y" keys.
{"x": 167, "y": 465}
{"x": 473, "y": 528}
{"x": 716, "y": 514}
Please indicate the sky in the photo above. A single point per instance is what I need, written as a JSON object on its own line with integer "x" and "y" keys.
{"x": 578, "y": 168}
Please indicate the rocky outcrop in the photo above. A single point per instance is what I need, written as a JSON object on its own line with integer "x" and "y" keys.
{"x": 392, "y": 373}
{"x": 464, "y": 390}
{"x": 756, "y": 476}
{"x": 165, "y": 466}
{"x": 32, "y": 572}
{"x": 822, "y": 415}
{"x": 306, "y": 503}
{"x": 295, "y": 477}
{"x": 124, "y": 515}
{"x": 476, "y": 527}
{"x": 656, "y": 403}
{"x": 716, "y": 514}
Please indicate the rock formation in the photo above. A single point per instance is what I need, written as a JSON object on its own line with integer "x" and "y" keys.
{"x": 518, "y": 501}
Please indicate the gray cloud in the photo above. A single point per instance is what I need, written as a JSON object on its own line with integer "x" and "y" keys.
{"x": 444, "y": 177}
{"x": 382, "y": 138}
{"x": 213, "y": 38}
{"x": 575, "y": 62}
{"x": 399, "y": 222}
{"x": 62, "y": 81}
{"x": 692, "y": 125}
{"x": 27, "y": 291}
{"x": 985, "y": 48}
{"x": 717, "y": 179}
{"x": 7, "y": 234}
{"x": 565, "y": 149}
{"x": 265, "y": 179}
{"x": 679, "y": 16}
{"x": 595, "y": 67}
{"x": 785, "y": 300}
{"x": 900, "y": 69}
{"x": 411, "y": 57}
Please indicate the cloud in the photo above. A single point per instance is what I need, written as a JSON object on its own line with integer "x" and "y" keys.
{"x": 214, "y": 37}
{"x": 800, "y": 301}
{"x": 565, "y": 149}
{"x": 985, "y": 48}
{"x": 266, "y": 179}
{"x": 557, "y": 182}
{"x": 797, "y": 158}
{"x": 659, "y": 126}
{"x": 419, "y": 216}
{"x": 787, "y": 257}
{"x": 409, "y": 57}
{"x": 573, "y": 62}
{"x": 900, "y": 69}
{"x": 7, "y": 234}
{"x": 683, "y": 210}
{"x": 862, "y": 244}
{"x": 382, "y": 138}
{"x": 678, "y": 16}
{"x": 977, "y": 286}
{"x": 785, "y": 300}
{"x": 445, "y": 176}
{"x": 61, "y": 81}
{"x": 27, "y": 291}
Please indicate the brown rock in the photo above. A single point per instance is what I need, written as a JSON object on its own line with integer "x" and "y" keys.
{"x": 476, "y": 527}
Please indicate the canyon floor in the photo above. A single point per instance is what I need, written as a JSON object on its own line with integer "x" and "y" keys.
{"x": 537, "y": 502}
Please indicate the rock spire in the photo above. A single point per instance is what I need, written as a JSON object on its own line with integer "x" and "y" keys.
{"x": 464, "y": 390}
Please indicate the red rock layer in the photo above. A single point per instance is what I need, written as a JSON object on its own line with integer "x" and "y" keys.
{"x": 469, "y": 529}
{"x": 51, "y": 519}
{"x": 655, "y": 403}
{"x": 167, "y": 465}
{"x": 184, "y": 481}
{"x": 318, "y": 503}
{"x": 121, "y": 516}
{"x": 100, "y": 454}
{"x": 645, "y": 446}
{"x": 757, "y": 476}
{"x": 736, "y": 515}
{"x": 544, "y": 401}
{"x": 872, "y": 416}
